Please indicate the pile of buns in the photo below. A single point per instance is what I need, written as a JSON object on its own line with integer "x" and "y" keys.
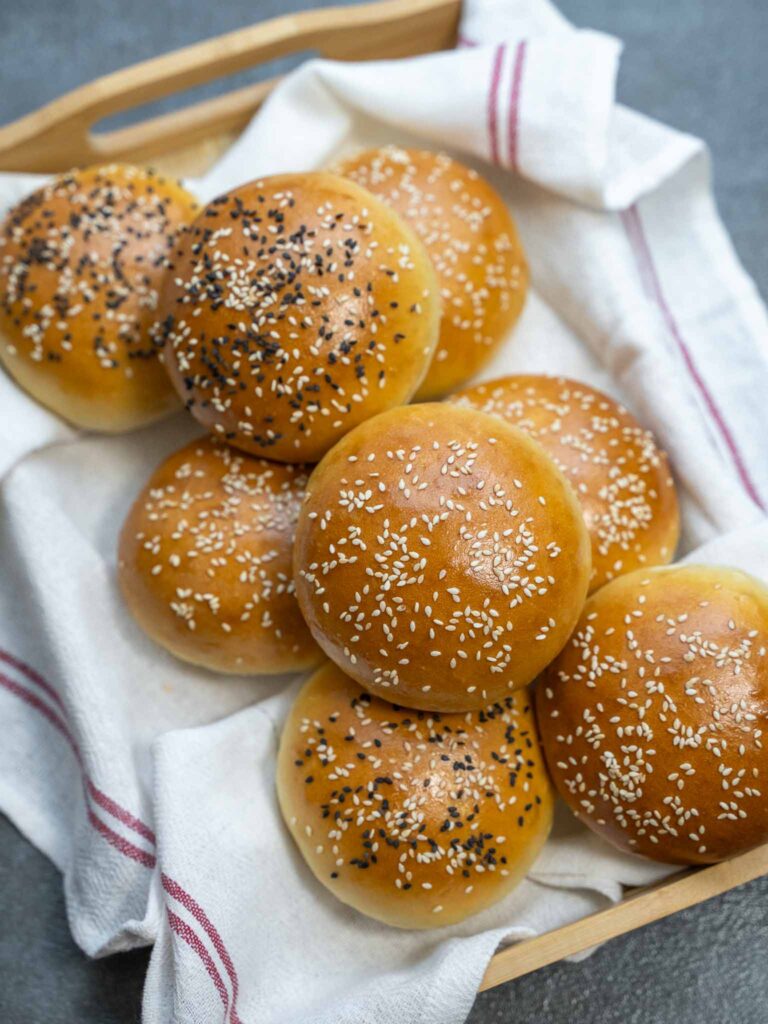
{"x": 479, "y": 577}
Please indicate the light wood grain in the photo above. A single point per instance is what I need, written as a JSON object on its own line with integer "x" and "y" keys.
{"x": 636, "y": 910}
{"x": 60, "y": 135}
{"x": 187, "y": 142}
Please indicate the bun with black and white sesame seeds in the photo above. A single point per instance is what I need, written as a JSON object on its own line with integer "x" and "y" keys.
{"x": 474, "y": 245}
{"x": 414, "y": 818}
{"x": 81, "y": 264}
{"x": 619, "y": 473}
{"x": 299, "y": 306}
{"x": 441, "y": 557}
{"x": 204, "y": 561}
{"x": 654, "y": 716}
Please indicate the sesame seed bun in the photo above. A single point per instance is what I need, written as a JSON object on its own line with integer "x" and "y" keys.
{"x": 653, "y": 716}
{"x": 414, "y": 818}
{"x": 474, "y": 246}
{"x": 299, "y": 306}
{"x": 441, "y": 558}
{"x": 620, "y": 475}
{"x": 81, "y": 262}
{"x": 204, "y": 561}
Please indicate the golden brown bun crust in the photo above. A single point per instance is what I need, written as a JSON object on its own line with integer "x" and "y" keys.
{"x": 299, "y": 306}
{"x": 441, "y": 558}
{"x": 205, "y": 561}
{"x": 414, "y": 818}
{"x": 473, "y": 242}
{"x": 654, "y": 716}
{"x": 620, "y": 475}
{"x": 81, "y": 262}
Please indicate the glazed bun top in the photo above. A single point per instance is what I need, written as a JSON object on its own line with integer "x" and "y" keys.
{"x": 299, "y": 306}
{"x": 441, "y": 558}
{"x": 619, "y": 473}
{"x": 473, "y": 243}
{"x": 414, "y": 818}
{"x": 654, "y": 716}
{"x": 81, "y": 265}
{"x": 205, "y": 561}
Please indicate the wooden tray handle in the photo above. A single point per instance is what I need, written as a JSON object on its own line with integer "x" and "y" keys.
{"x": 59, "y": 135}
{"x": 636, "y": 910}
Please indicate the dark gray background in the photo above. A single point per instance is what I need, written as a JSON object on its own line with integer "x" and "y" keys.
{"x": 696, "y": 64}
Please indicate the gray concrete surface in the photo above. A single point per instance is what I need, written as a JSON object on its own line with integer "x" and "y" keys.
{"x": 697, "y": 64}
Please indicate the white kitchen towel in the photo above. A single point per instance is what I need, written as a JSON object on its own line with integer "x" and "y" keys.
{"x": 150, "y": 783}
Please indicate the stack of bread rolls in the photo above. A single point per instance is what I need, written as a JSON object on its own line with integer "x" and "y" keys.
{"x": 434, "y": 561}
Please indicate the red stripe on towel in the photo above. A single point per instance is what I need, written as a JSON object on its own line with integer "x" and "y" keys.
{"x": 493, "y": 103}
{"x": 117, "y": 841}
{"x": 114, "y": 808}
{"x": 99, "y": 796}
{"x": 46, "y": 711}
{"x": 32, "y": 675}
{"x": 133, "y": 852}
{"x": 183, "y": 930}
{"x": 174, "y": 889}
{"x": 514, "y": 103}
{"x": 120, "y": 843}
{"x": 650, "y": 277}
{"x": 123, "y": 845}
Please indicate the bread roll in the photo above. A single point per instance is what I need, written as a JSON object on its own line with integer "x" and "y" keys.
{"x": 205, "y": 561}
{"x": 413, "y": 818}
{"x": 620, "y": 475}
{"x": 81, "y": 262}
{"x": 299, "y": 306}
{"x": 473, "y": 243}
{"x": 653, "y": 717}
{"x": 441, "y": 558}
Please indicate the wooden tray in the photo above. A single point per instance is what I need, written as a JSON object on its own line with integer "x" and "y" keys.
{"x": 60, "y": 135}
